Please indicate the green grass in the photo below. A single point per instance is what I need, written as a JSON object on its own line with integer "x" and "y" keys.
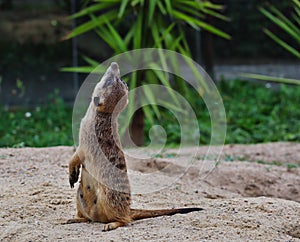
{"x": 255, "y": 114}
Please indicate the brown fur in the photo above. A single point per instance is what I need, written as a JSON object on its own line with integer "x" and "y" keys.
{"x": 104, "y": 191}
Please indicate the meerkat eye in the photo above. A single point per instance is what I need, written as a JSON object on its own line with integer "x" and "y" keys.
{"x": 96, "y": 101}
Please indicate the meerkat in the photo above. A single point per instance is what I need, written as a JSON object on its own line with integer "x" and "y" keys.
{"x": 104, "y": 191}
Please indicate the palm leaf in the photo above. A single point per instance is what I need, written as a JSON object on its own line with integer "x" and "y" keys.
{"x": 156, "y": 36}
{"x": 216, "y": 15}
{"x": 89, "y": 25}
{"x": 281, "y": 17}
{"x": 129, "y": 36}
{"x": 136, "y": 2}
{"x": 282, "y": 24}
{"x": 148, "y": 114}
{"x": 90, "y": 61}
{"x": 195, "y": 23}
{"x": 137, "y": 35}
{"x": 208, "y": 4}
{"x": 172, "y": 107}
{"x": 177, "y": 43}
{"x": 199, "y": 10}
{"x": 161, "y": 8}
{"x": 166, "y": 32}
{"x": 107, "y": 32}
{"x": 169, "y": 7}
{"x": 80, "y": 69}
{"x": 152, "y": 6}
{"x": 283, "y": 44}
{"x": 115, "y": 36}
{"x": 271, "y": 78}
{"x": 149, "y": 95}
{"x": 93, "y": 8}
{"x": 106, "y": 36}
{"x": 131, "y": 103}
{"x": 197, "y": 75}
{"x": 288, "y": 27}
{"x": 296, "y": 18}
{"x": 122, "y": 8}
{"x": 297, "y": 4}
{"x": 164, "y": 79}
{"x": 190, "y": 10}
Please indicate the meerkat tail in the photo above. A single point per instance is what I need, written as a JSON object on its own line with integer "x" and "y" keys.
{"x": 137, "y": 214}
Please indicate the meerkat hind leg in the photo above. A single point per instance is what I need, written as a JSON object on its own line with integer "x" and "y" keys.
{"x": 79, "y": 219}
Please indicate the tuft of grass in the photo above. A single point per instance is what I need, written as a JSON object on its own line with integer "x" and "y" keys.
{"x": 290, "y": 166}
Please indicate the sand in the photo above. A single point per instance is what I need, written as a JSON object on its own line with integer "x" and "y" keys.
{"x": 253, "y": 194}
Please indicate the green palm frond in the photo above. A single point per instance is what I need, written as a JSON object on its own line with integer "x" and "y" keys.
{"x": 133, "y": 24}
{"x": 291, "y": 27}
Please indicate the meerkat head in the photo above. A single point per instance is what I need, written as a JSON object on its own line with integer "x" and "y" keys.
{"x": 110, "y": 94}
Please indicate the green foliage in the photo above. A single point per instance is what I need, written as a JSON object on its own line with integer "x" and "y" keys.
{"x": 270, "y": 78}
{"x": 290, "y": 26}
{"x": 159, "y": 20}
{"x": 47, "y": 125}
{"x": 245, "y": 29}
{"x": 134, "y": 24}
{"x": 255, "y": 114}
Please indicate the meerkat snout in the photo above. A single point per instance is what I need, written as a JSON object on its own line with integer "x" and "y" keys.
{"x": 114, "y": 66}
{"x": 109, "y": 92}
{"x": 113, "y": 70}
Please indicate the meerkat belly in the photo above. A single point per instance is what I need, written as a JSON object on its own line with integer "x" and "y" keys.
{"x": 91, "y": 199}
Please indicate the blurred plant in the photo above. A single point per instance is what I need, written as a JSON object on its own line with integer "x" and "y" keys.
{"x": 292, "y": 28}
{"x": 255, "y": 114}
{"x": 133, "y": 24}
{"x": 162, "y": 18}
{"x": 21, "y": 87}
{"x": 38, "y": 127}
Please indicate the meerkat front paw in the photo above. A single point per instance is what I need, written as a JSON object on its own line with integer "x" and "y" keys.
{"x": 73, "y": 175}
{"x": 74, "y": 169}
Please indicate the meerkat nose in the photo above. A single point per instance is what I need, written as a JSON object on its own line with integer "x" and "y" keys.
{"x": 114, "y": 66}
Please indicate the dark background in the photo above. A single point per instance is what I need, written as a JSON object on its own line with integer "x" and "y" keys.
{"x": 32, "y": 51}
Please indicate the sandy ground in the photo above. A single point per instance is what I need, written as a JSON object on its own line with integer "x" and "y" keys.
{"x": 253, "y": 194}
